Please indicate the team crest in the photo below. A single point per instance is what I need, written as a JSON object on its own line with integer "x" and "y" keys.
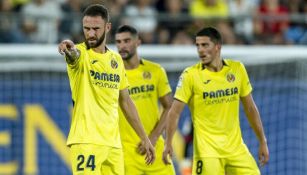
{"x": 231, "y": 77}
{"x": 147, "y": 75}
{"x": 114, "y": 64}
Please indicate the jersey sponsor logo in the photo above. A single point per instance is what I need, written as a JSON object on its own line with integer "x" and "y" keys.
{"x": 114, "y": 64}
{"x": 220, "y": 93}
{"x": 221, "y": 100}
{"x": 106, "y": 84}
{"x": 230, "y": 77}
{"x": 104, "y": 76}
{"x": 147, "y": 75}
{"x": 141, "y": 89}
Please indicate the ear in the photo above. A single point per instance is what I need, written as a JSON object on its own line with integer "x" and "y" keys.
{"x": 108, "y": 27}
{"x": 219, "y": 46}
{"x": 139, "y": 42}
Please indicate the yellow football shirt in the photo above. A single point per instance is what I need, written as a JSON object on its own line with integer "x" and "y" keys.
{"x": 214, "y": 99}
{"x": 198, "y": 8}
{"x": 147, "y": 83}
{"x": 95, "y": 81}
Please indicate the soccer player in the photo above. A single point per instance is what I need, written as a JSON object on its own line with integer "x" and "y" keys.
{"x": 148, "y": 86}
{"x": 98, "y": 85}
{"x": 213, "y": 89}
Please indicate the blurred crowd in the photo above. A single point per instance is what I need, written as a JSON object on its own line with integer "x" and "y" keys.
{"x": 159, "y": 21}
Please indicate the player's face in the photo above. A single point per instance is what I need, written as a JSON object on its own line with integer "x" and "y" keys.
{"x": 207, "y": 50}
{"x": 126, "y": 44}
{"x": 95, "y": 29}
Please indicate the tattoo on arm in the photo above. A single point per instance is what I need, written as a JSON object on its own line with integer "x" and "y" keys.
{"x": 72, "y": 56}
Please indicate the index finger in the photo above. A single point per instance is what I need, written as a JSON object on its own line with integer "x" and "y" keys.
{"x": 68, "y": 43}
{"x": 62, "y": 48}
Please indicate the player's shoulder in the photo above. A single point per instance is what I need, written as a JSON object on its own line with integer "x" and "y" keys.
{"x": 81, "y": 46}
{"x": 233, "y": 63}
{"x": 151, "y": 64}
{"x": 114, "y": 54}
{"x": 193, "y": 68}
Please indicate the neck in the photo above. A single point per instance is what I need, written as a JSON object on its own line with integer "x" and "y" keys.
{"x": 132, "y": 63}
{"x": 215, "y": 66}
{"x": 100, "y": 49}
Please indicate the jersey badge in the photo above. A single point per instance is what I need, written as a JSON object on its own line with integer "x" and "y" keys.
{"x": 230, "y": 77}
{"x": 147, "y": 75}
{"x": 114, "y": 64}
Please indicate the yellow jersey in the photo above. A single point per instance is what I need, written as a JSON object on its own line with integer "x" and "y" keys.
{"x": 213, "y": 99}
{"x": 147, "y": 83}
{"x": 95, "y": 82}
{"x": 198, "y": 8}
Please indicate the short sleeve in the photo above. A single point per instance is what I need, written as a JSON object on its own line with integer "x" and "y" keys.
{"x": 246, "y": 87}
{"x": 184, "y": 87}
{"x": 163, "y": 83}
{"x": 123, "y": 78}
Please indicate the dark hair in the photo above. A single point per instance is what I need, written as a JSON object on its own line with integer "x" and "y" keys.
{"x": 127, "y": 28}
{"x": 97, "y": 10}
{"x": 212, "y": 33}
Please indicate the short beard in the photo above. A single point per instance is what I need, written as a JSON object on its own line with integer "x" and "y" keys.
{"x": 98, "y": 43}
{"x": 128, "y": 57}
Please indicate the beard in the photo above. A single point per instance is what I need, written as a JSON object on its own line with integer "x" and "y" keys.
{"x": 126, "y": 55}
{"x": 99, "y": 41}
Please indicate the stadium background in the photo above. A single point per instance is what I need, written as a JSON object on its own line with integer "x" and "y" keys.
{"x": 35, "y": 100}
{"x": 35, "y": 105}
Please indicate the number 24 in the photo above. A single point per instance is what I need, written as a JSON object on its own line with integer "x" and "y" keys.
{"x": 90, "y": 163}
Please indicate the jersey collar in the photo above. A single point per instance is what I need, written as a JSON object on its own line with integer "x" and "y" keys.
{"x": 223, "y": 61}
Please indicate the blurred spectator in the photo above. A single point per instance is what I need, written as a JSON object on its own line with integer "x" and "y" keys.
{"x": 182, "y": 38}
{"x": 70, "y": 24}
{"x": 242, "y": 12}
{"x": 240, "y": 21}
{"x": 174, "y": 11}
{"x": 304, "y": 38}
{"x": 212, "y": 13}
{"x": 41, "y": 20}
{"x": 222, "y": 25}
{"x": 271, "y": 22}
{"x": 209, "y": 8}
{"x": 296, "y": 33}
{"x": 116, "y": 9}
{"x": 163, "y": 35}
{"x": 142, "y": 15}
{"x": 9, "y": 30}
{"x": 17, "y": 4}
{"x": 227, "y": 32}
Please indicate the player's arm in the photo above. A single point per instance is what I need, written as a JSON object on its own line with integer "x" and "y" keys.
{"x": 132, "y": 117}
{"x": 254, "y": 119}
{"x": 166, "y": 102}
{"x": 69, "y": 50}
{"x": 171, "y": 126}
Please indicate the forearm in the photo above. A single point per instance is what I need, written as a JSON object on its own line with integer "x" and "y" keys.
{"x": 157, "y": 131}
{"x": 171, "y": 125}
{"x": 256, "y": 124}
{"x": 72, "y": 56}
{"x": 133, "y": 119}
